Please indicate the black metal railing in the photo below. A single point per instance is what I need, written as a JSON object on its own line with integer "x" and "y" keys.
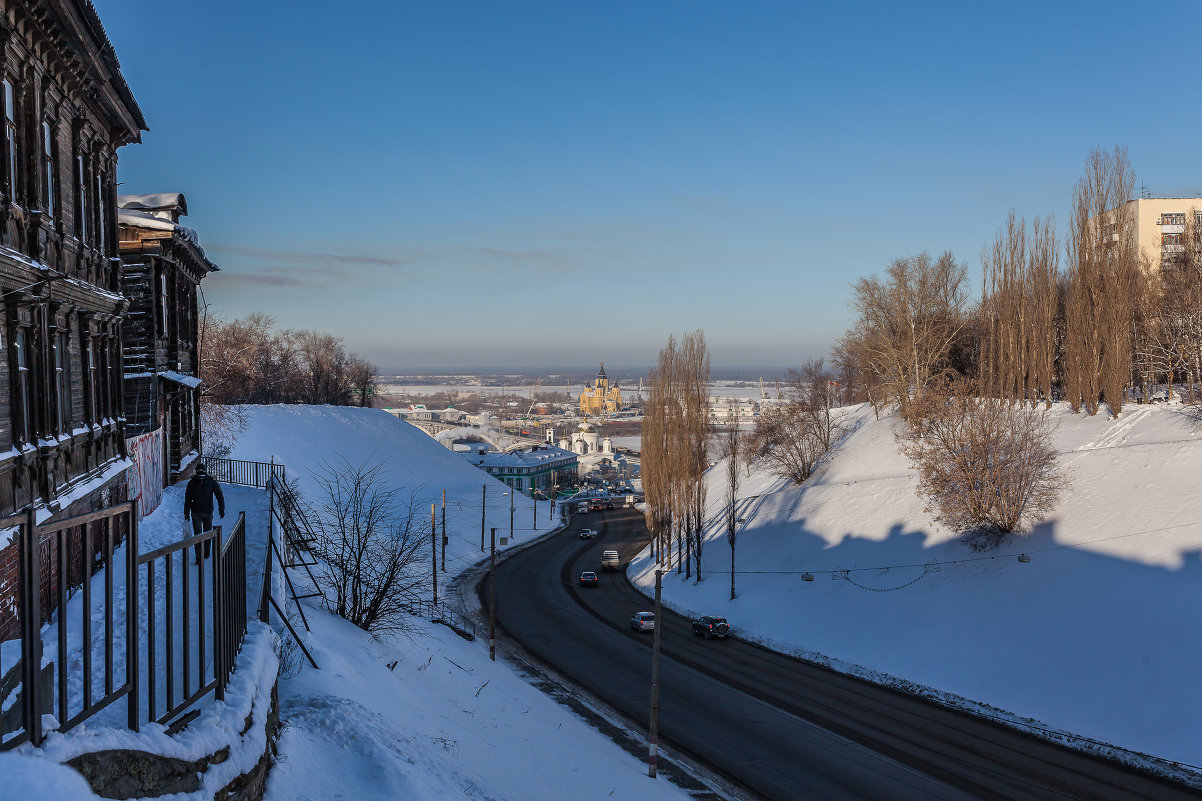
{"x": 441, "y": 613}
{"x": 248, "y": 474}
{"x": 56, "y": 561}
{"x": 195, "y": 621}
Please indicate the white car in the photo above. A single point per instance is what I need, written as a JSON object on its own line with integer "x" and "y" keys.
{"x": 643, "y": 621}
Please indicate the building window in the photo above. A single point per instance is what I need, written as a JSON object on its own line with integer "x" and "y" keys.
{"x": 1175, "y": 218}
{"x": 163, "y": 301}
{"x": 1169, "y": 240}
{"x": 91, "y": 383}
{"x": 48, "y": 159}
{"x": 62, "y": 381}
{"x": 23, "y": 414}
{"x": 81, "y": 210}
{"x": 10, "y": 136}
{"x": 100, "y": 224}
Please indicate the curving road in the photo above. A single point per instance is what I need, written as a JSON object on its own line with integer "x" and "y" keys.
{"x": 777, "y": 726}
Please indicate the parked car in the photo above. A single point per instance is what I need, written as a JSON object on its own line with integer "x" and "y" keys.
{"x": 610, "y": 560}
{"x": 587, "y": 534}
{"x": 588, "y": 579}
{"x": 643, "y": 621}
{"x": 709, "y": 626}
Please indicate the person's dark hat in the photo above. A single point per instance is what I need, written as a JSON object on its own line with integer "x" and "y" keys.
{"x": 200, "y": 470}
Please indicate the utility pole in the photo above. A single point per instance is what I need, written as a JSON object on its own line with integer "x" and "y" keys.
{"x": 492, "y": 601}
{"x": 483, "y": 502}
{"x": 534, "y": 495}
{"x": 433, "y": 554}
{"x": 653, "y": 739}
{"x": 512, "y": 492}
{"x": 444, "y": 531}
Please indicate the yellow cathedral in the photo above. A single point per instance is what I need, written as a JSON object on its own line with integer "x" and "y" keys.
{"x": 601, "y": 398}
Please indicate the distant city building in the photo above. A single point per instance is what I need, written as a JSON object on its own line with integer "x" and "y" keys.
{"x": 541, "y": 467}
{"x": 739, "y": 409}
{"x": 601, "y": 398}
{"x": 585, "y": 441}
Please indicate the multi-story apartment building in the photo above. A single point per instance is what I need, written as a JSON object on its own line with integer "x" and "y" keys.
{"x": 1160, "y": 226}
{"x": 66, "y": 110}
{"x": 163, "y": 265}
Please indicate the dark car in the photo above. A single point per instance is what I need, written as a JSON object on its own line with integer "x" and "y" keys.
{"x": 609, "y": 504}
{"x": 588, "y": 579}
{"x": 587, "y": 534}
{"x": 709, "y": 626}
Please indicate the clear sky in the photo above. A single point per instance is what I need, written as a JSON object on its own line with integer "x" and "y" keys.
{"x": 527, "y": 183}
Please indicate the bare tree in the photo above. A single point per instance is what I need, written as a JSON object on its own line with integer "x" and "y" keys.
{"x": 732, "y": 442}
{"x": 987, "y": 466}
{"x": 371, "y": 550}
{"x": 907, "y": 324}
{"x": 1104, "y": 278}
{"x": 794, "y": 437}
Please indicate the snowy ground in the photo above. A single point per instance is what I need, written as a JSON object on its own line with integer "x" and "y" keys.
{"x": 445, "y": 722}
{"x": 1096, "y": 635}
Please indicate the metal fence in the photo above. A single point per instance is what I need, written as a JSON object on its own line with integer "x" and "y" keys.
{"x": 195, "y": 621}
{"x": 159, "y": 630}
{"x": 57, "y": 560}
{"x": 442, "y": 613}
{"x": 248, "y": 474}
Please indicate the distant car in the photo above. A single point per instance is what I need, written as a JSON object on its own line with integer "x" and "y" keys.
{"x": 588, "y": 579}
{"x": 643, "y": 621}
{"x": 596, "y": 505}
{"x": 587, "y": 534}
{"x": 709, "y": 626}
{"x": 609, "y": 504}
{"x": 582, "y": 508}
{"x": 610, "y": 560}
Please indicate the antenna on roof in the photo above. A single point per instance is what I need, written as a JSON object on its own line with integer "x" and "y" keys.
{"x": 1144, "y": 191}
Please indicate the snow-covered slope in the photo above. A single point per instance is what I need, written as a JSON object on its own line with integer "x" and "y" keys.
{"x": 305, "y": 438}
{"x": 1097, "y": 634}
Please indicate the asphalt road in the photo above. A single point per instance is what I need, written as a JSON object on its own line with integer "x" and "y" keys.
{"x": 780, "y": 727}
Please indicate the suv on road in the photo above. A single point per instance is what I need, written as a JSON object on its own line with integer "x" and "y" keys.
{"x": 610, "y": 560}
{"x": 709, "y": 626}
{"x": 643, "y": 621}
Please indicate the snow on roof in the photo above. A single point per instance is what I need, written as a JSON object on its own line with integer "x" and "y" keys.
{"x": 144, "y": 219}
{"x": 159, "y": 200}
{"x": 529, "y": 458}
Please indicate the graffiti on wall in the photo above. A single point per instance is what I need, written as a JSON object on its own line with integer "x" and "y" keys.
{"x": 145, "y": 478}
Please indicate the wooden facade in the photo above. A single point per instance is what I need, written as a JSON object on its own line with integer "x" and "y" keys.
{"x": 162, "y": 267}
{"x": 66, "y": 109}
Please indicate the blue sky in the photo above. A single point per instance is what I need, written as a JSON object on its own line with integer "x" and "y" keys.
{"x": 530, "y": 183}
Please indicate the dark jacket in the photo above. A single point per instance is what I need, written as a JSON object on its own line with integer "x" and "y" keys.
{"x": 198, "y": 498}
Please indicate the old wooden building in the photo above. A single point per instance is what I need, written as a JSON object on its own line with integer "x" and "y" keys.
{"x": 163, "y": 265}
{"x": 67, "y": 109}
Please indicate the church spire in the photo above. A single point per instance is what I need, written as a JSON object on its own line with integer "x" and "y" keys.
{"x": 601, "y": 372}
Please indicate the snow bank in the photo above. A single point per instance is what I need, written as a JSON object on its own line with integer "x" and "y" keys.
{"x": 1096, "y": 635}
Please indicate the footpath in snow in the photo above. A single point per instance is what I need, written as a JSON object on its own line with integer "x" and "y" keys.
{"x": 1096, "y": 635}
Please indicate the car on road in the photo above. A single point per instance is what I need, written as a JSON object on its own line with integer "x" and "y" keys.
{"x": 709, "y": 626}
{"x": 596, "y": 505}
{"x": 610, "y": 560}
{"x": 582, "y": 508}
{"x": 587, "y": 534}
{"x": 609, "y": 503}
{"x": 588, "y": 579}
{"x": 643, "y": 621}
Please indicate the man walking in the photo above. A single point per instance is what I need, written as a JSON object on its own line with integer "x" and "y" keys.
{"x": 198, "y": 505}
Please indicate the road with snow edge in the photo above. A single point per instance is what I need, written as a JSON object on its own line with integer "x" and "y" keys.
{"x": 781, "y": 727}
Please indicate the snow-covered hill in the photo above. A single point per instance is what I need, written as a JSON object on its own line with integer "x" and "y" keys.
{"x": 305, "y": 438}
{"x": 1096, "y": 635}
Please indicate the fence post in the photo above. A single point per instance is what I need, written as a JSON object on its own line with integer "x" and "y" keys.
{"x": 31, "y": 628}
{"x": 219, "y": 622}
{"x": 264, "y": 612}
{"x": 131, "y": 616}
